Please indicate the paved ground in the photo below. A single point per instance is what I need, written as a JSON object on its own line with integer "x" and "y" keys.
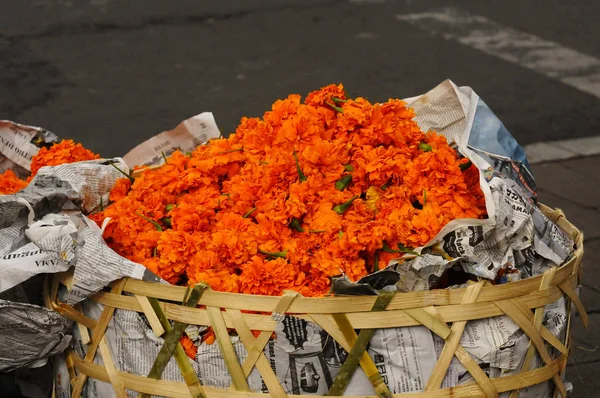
{"x": 110, "y": 73}
{"x": 573, "y": 187}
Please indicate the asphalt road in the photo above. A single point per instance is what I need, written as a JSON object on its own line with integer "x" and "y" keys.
{"x": 112, "y": 73}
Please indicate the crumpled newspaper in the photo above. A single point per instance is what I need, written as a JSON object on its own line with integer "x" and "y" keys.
{"x": 43, "y": 228}
{"x": 19, "y": 143}
{"x": 62, "y": 236}
{"x": 32, "y": 332}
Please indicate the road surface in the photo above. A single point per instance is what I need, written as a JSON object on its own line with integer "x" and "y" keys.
{"x": 112, "y": 73}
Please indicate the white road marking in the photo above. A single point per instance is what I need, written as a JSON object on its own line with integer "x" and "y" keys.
{"x": 541, "y": 152}
{"x": 366, "y": 36}
{"x": 571, "y": 67}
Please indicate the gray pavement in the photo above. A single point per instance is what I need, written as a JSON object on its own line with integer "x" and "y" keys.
{"x": 111, "y": 73}
{"x": 573, "y": 187}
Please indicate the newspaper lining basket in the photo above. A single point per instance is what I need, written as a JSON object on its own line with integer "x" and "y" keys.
{"x": 444, "y": 312}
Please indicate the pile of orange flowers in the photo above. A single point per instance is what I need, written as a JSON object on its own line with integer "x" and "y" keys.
{"x": 331, "y": 186}
{"x": 67, "y": 151}
{"x": 10, "y": 183}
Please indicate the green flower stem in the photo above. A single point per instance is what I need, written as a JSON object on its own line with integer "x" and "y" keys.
{"x": 295, "y": 225}
{"x": 338, "y": 100}
{"x": 425, "y": 147}
{"x": 301, "y": 175}
{"x": 386, "y": 248}
{"x": 405, "y": 249}
{"x": 156, "y": 225}
{"x": 274, "y": 254}
{"x": 249, "y": 212}
{"x": 122, "y": 172}
{"x": 343, "y": 182}
{"x": 376, "y": 262}
{"x": 341, "y": 209}
{"x": 336, "y": 108}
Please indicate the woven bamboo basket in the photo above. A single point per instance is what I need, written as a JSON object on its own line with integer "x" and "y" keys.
{"x": 444, "y": 312}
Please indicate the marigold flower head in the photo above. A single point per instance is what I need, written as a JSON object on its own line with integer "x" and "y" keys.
{"x": 10, "y": 183}
{"x": 221, "y": 280}
{"x": 326, "y": 95}
{"x": 66, "y": 151}
{"x": 189, "y": 347}
{"x": 267, "y": 277}
{"x": 120, "y": 189}
{"x": 175, "y": 248}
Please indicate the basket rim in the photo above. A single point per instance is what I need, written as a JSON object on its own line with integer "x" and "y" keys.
{"x": 350, "y": 304}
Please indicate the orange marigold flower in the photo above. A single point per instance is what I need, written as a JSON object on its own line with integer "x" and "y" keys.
{"x": 234, "y": 237}
{"x": 66, "y": 151}
{"x": 219, "y": 280}
{"x": 190, "y": 218}
{"x": 209, "y": 337}
{"x": 175, "y": 249}
{"x": 98, "y": 218}
{"x": 267, "y": 277}
{"x": 10, "y": 183}
{"x": 189, "y": 347}
{"x": 372, "y": 201}
{"x": 282, "y": 110}
{"x": 325, "y": 95}
{"x": 356, "y": 113}
{"x": 323, "y": 217}
{"x": 203, "y": 260}
{"x": 120, "y": 189}
{"x": 317, "y": 284}
{"x": 257, "y": 134}
{"x": 428, "y": 222}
